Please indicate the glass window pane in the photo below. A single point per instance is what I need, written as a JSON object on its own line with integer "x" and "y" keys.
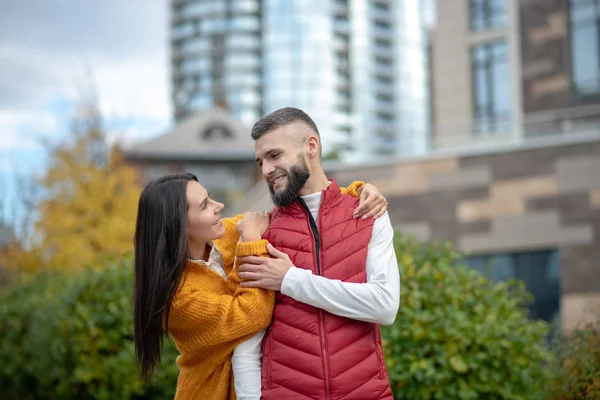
{"x": 497, "y": 13}
{"x": 491, "y": 88}
{"x": 586, "y": 66}
{"x": 535, "y": 270}
{"x": 487, "y": 14}
{"x": 501, "y": 88}
{"x": 582, "y": 11}
{"x": 539, "y": 270}
{"x": 476, "y": 15}
{"x": 481, "y": 90}
{"x": 499, "y": 50}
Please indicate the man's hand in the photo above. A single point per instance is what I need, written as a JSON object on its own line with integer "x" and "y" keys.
{"x": 266, "y": 273}
{"x": 371, "y": 202}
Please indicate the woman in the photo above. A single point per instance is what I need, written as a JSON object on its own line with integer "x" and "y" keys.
{"x": 186, "y": 283}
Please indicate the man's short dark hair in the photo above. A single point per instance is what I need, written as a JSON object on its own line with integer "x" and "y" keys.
{"x": 280, "y": 118}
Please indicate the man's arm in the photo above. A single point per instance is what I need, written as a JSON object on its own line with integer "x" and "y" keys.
{"x": 376, "y": 301}
{"x": 246, "y": 365}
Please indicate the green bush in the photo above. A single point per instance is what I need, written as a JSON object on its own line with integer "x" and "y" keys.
{"x": 70, "y": 336}
{"x": 459, "y": 336}
{"x": 576, "y": 366}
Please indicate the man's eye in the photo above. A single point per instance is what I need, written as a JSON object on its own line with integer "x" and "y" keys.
{"x": 276, "y": 155}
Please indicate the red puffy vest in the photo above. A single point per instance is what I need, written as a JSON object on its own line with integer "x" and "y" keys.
{"x": 309, "y": 353}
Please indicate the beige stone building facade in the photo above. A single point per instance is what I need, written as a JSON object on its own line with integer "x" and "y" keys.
{"x": 533, "y": 209}
{"x": 516, "y": 104}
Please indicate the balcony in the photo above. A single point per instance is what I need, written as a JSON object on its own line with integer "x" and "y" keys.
{"x": 541, "y": 127}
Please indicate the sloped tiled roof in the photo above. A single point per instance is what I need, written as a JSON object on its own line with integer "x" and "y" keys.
{"x": 208, "y": 135}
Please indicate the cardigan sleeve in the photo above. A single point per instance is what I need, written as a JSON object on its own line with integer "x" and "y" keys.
{"x": 228, "y": 243}
{"x": 352, "y": 189}
{"x": 216, "y": 318}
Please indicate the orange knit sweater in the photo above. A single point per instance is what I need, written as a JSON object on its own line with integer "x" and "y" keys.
{"x": 210, "y": 316}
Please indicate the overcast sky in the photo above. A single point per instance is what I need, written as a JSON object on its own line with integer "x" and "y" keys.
{"x": 45, "y": 46}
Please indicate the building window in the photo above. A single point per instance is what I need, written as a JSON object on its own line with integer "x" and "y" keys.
{"x": 539, "y": 270}
{"x": 487, "y": 14}
{"x": 216, "y": 131}
{"x": 585, "y": 31}
{"x": 491, "y": 88}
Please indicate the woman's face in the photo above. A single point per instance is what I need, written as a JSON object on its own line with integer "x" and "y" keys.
{"x": 204, "y": 215}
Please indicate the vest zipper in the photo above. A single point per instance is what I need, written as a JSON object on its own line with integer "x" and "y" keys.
{"x": 315, "y": 232}
{"x": 317, "y": 238}
{"x": 379, "y": 350}
{"x": 325, "y": 360}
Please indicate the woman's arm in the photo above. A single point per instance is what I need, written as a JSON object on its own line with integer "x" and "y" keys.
{"x": 371, "y": 204}
{"x": 220, "y": 314}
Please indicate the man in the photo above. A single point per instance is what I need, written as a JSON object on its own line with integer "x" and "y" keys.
{"x": 338, "y": 284}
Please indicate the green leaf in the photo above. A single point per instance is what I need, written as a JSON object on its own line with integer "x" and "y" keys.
{"x": 458, "y": 364}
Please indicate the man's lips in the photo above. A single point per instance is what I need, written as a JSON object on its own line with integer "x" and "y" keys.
{"x": 276, "y": 179}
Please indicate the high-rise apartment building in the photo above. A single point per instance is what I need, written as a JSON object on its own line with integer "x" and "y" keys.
{"x": 216, "y": 49}
{"x": 356, "y": 66}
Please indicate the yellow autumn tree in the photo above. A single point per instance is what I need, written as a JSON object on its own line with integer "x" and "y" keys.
{"x": 88, "y": 203}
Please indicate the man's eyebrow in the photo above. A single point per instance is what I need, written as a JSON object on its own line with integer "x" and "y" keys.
{"x": 267, "y": 153}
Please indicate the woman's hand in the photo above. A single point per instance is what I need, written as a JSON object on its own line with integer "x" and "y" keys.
{"x": 252, "y": 226}
{"x": 372, "y": 203}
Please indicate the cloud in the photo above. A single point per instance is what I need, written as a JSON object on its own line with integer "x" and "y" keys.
{"x": 28, "y": 78}
{"x": 24, "y": 129}
{"x": 66, "y": 27}
{"x": 47, "y": 48}
{"x": 133, "y": 88}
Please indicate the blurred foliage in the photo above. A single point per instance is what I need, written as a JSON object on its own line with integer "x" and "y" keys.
{"x": 576, "y": 366}
{"x": 459, "y": 336}
{"x": 333, "y": 155}
{"x": 87, "y": 206}
{"x": 70, "y": 336}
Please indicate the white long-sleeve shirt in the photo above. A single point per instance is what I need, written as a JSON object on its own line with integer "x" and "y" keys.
{"x": 375, "y": 301}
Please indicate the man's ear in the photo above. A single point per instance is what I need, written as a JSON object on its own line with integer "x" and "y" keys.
{"x": 313, "y": 146}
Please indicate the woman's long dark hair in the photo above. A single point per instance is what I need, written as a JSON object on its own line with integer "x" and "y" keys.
{"x": 161, "y": 254}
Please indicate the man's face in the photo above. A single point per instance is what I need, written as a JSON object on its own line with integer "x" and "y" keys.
{"x": 283, "y": 164}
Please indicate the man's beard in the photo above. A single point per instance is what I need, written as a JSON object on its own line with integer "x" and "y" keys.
{"x": 297, "y": 177}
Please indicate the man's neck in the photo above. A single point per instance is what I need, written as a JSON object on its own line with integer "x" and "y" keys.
{"x": 316, "y": 183}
